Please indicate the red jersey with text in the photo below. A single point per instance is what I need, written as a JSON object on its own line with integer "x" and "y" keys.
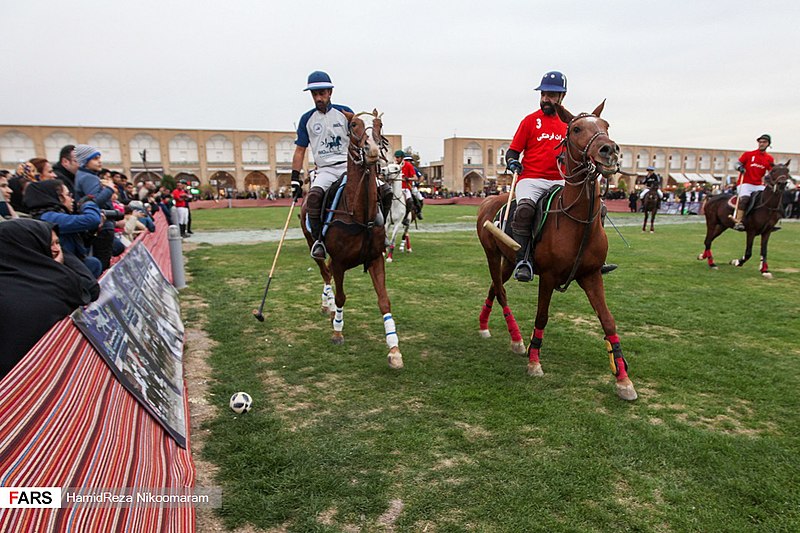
{"x": 409, "y": 173}
{"x": 538, "y": 138}
{"x": 756, "y": 164}
{"x": 180, "y": 197}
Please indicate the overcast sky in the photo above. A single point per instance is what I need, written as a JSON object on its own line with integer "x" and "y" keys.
{"x": 706, "y": 74}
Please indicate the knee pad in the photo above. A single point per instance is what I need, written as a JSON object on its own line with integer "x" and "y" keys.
{"x": 523, "y": 216}
{"x": 314, "y": 200}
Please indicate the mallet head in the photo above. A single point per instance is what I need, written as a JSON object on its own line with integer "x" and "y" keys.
{"x": 259, "y": 315}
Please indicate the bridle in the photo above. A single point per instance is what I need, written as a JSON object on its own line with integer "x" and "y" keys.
{"x": 581, "y": 165}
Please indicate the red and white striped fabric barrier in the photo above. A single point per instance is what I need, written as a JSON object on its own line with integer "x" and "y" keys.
{"x": 65, "y": 421}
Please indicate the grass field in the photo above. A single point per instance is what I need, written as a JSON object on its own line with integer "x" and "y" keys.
{"x": 462, "y": 439}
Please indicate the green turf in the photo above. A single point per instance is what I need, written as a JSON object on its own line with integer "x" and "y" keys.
{"x": 257, "y": 218}
{"x": 464, "y": 438}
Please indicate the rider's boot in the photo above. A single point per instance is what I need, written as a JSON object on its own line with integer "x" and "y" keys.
{"x": 385, "y": 194}
{"x": 418, "y": 203}
{"x": 740, "y": 210}
{"x": 314, "y": 202}
{"x": 521, "y": 231}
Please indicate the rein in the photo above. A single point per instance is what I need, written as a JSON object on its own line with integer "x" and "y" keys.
{"x": 588, "y": 184}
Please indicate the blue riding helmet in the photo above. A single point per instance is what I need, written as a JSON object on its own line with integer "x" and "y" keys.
{"x": 650, "y": 168}
{"x": 318, "y": 80}
{"x": 554, "y": 82}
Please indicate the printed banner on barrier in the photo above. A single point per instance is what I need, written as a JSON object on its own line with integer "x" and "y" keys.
{"x": 136, "y": 326}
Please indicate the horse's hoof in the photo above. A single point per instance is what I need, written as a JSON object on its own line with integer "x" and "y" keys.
{"x": 389, "y": 259}
{"x": 700, "y": 257}
{"x": 409, "y": 250}
{"x": 395, "y": 359}
{"x": 535, "y": 370}
{"x": 324, "y": 310}
{"x": 735, "y": 262}
{"x": 651, "y": 231}
{"x": 518, "y": 347}
{"x": 625, "y": 390}
{"x": 337, "y": 338}
{"x": 485, "y": 333}
{"x": 714, "y": 267}
{"x": 767, "y": 275}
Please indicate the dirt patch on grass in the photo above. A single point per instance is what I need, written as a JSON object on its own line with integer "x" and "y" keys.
{"x": 197, "y": 373}
{"x": 737, "y": 418}
{"x": 473, "y": 433}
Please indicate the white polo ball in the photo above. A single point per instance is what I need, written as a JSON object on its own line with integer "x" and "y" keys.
{"x": 241, "y": 402}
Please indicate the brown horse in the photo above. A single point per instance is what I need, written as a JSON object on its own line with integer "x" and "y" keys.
{"x": 760, "y": 221}
{"x": 573, "y": 244}
{"x": 650, "y": 204}
{"x": 353, "y": 238}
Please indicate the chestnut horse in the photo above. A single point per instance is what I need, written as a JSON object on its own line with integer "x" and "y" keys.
{"x": 352, "y": 236}
{"x": 573, "y": 244}
{"x": 650, "y": 204}
{"x": 760, "y": 221}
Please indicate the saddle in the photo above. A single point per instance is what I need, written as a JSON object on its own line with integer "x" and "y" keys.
{"x": 755, "y": 199}
{"x": 330, "y": 201}
{"x": 539, "y": 218}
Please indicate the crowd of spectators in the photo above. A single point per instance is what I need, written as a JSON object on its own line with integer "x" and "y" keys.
{"x": 60, "y": 225}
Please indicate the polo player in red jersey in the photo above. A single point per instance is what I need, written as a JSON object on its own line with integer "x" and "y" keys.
{"x": 754, "y": 165}
{"x": 538, "y": 138}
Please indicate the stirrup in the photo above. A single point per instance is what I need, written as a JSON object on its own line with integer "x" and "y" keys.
{"x": 523, "y": 271}
{"x": 608, "y": 267}
{"x": 318, "y": 250}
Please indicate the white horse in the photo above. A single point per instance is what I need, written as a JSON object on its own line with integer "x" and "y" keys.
{"x": 399, "y": 216}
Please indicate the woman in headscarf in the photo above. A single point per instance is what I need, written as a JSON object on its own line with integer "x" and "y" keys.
{"x": 40, "y": 286}
{"x": 26, "y": 173}
{"x": 52, "y": 202}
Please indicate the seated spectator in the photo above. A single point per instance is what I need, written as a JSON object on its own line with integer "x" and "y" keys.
{"x": 144, "y": 216}
{"x": 6, "y": 211}
{"x": 88, "y": 183}
{"x": 66, "y": 167}
{"x": 52, "y": 202}
{"x": 133, "y": 226}
{"x": 40, "y": 286}
{"x": 26, "y": 173}
{"x": 44, "y": 170}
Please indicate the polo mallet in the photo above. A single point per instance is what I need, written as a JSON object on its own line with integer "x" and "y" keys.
{"x": 618, "y": 232}
{"x": 738, "y": 182}
{"x": 259, "y": 313}
{"x": 499, "y": 233}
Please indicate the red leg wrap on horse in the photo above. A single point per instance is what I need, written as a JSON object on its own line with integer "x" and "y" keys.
{"x": 536, "y": 345}
{"x": 511, "y": 323}
{"x": 613, "y": 338}
{"x": 619, "y": 367}
{"x": 486, "y": 310}
{"x": 622, "y": 368}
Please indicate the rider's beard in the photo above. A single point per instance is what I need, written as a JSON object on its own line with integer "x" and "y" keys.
{"x": 548, "y": 108}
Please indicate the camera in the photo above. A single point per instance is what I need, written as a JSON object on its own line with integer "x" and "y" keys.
{"x": 112, "y": 214}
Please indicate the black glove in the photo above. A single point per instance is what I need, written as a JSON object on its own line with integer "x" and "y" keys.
{"x": 297, "y": 185}
{"x": 514, "y": 166}
{"x": 740, "y": 167}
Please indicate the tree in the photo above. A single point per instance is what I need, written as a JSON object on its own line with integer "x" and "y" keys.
{"x": 414, "y": 155}
{"x": 169, "y": 182}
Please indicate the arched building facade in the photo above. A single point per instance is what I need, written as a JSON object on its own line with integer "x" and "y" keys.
{"x": 245, "y": 161}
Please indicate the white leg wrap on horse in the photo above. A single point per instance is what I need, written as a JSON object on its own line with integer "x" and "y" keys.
{"x": 327, "y": 297}
{"x": 391, "y": 330}
{"x": 338, "y": 319}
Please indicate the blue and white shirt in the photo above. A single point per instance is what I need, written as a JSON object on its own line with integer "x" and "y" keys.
{"x": 326, "y": 133}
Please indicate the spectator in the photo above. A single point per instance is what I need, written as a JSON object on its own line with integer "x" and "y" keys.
{"x": 44, "y": 171}
{"x": 40, "y": 286}
{"x": 6, "y": 210}
{"x": 52, "y": 202}
{"x": 26, "y": 173}
{"x": 88, "y": 183}
{"x": 633, "y": 199}
{"x": 66, "y": 167}
{"x": 682, "y": 198}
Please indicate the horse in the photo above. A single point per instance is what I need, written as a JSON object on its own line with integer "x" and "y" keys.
{"x": 761, "y": 220}
{"x": 573, "y": 244}
{"x": 401, "y": 214}
{"x": 352, "y": 237}
{"x": 650, "y": 204}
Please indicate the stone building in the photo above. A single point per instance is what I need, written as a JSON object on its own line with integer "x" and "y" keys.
{"x": 241, "y": 160}
{"x": 475, "y": 165}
